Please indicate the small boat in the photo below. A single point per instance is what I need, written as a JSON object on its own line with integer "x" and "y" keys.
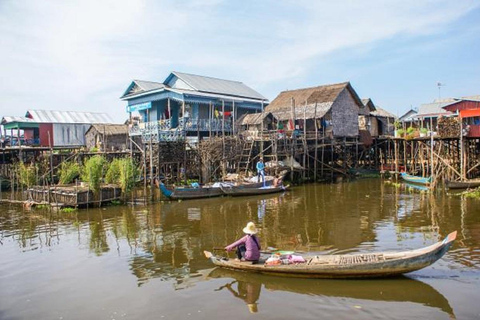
{"x": 245, "y": 190}
{"x": 415, "y": 179}
{"x": 183, "y": 193}
{"x": 465, "y": 184}
{"x": 213, "y": 190}
{"x": 359, "y": 265}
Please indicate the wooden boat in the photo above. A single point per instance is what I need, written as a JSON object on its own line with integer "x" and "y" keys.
{"x": 415, "y": 179}
{"x": 360, "y": 265}
{"x": 245, "y": 190}
{"x": 466, "y": 184}
{"x": 184, "y": 193}
{"x": 209, "y": 191}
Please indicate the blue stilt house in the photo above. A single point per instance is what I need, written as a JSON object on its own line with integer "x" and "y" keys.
{"x": 188, "y": 105}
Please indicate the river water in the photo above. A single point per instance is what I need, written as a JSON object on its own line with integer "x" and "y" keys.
{"x": 146, "y": 261}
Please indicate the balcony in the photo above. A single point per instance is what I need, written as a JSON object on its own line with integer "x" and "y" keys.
{"x": 162, "y": 130}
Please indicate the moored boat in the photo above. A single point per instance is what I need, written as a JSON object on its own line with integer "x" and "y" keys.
{"x": 215, "y": 189}
{"x": 360, "y": 265}
{"x": 415, "y": 179}
{"x": 183, "y": 193}
{"x": 465, "y": 184}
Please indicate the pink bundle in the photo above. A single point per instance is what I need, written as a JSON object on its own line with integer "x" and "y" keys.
{"x": 296, "y": 259}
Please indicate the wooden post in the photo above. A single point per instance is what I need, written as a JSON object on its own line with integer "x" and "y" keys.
{"x": 316, "y": 145}
{"x": 234, "y": 116}
{"x": 261, "y": 133}
{"x": 292, "y": 138}
{"x": 169, "y": 112}
{"x": 210, "y": 114}
{"x": 223, "y": 141}
{"x": 304, "y": 140}
{"x": 51, "y": 157}
{"x": 462, "y": 164}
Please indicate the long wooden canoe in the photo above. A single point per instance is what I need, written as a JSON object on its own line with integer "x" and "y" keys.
{"x": 416, "y": 179}
{"x": 209, "y": 191}
{"x": 360, "y": 265}
{"x": 465, "y": 184}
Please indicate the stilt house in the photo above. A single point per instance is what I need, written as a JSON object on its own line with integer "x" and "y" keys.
{"x": 384, "y": 123}
{"x": 189, "y": 105}
{"x": 107, "y": 137}
{"x": 331, "y": 109}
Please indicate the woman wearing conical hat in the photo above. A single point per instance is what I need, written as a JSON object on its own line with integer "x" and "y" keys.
{"x": 248, "y": 247}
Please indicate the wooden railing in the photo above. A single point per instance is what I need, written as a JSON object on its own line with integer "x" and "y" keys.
{"x": 157, "y": 130}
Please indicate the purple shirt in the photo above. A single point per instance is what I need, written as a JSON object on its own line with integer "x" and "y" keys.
{"x": 253, "y": 250}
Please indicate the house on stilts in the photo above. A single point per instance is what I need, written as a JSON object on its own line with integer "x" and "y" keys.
{"x": 188, "y": 106}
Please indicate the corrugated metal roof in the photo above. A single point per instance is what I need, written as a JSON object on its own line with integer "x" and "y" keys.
{"x": 221, "y": 86}
{"x": 149, "y": 85}
{"x": 51, "y": 116}
{"x": 9, "y": 119}
{"x": 110, "y": 129}
{"x": 434, "y": 109}
{"x": 408, "y": 116}
{"x": 307, "y": 111}
{"x": 382, "y": 113}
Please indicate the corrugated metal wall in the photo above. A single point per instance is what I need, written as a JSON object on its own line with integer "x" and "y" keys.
{"x": 69, "y": 134}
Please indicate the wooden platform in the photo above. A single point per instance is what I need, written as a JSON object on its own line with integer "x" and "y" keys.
{"x": 73, "y": 196}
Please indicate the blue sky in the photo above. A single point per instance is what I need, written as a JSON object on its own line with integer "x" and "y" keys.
{"x": 82, "y": 55}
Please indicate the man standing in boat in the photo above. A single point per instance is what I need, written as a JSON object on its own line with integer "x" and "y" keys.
{"x": 248, "y": 247}
{"x": 261, "y": 170}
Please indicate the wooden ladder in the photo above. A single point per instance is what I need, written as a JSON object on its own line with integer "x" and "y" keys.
{"x": 246, "y": 156}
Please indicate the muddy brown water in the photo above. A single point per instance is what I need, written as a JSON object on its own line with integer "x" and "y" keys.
{"x": 146, "y": 262}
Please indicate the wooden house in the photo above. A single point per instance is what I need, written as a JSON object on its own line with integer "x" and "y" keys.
{"x": 189, "y": 105}
{"x": 408, "y": 119}
{"x": 107, "y": 137}
{"x": 468, "y": 109}
{"x": 365, "y": 119}
{"x": 253, "y": 123}
{"x": 383, "y": 123}
{"x": 55, "y": 128}
{"x": 428, "y": 113}
{"x": 332, "y": 109}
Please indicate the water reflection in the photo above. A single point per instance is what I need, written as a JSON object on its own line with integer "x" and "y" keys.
{"x": 247, "y": 291}
{"x": 401, "y": 289}
{"x": 166, "y": 240}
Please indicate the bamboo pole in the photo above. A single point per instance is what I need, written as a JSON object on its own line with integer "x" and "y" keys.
{"x": 316, "y": 145}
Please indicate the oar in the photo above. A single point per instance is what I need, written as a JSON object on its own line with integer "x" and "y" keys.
{"x": 268, "y": 251}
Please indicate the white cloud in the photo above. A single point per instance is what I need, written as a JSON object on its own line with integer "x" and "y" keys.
{"x": 82, "y": 54}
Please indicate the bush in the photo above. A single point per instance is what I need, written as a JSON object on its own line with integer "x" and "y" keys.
{"x": 68, "y": 172}
{"x": 122, "y": 172}
{"x": 27, "y": 174}
{"x": 410, "y": 130}
{"x": 113, "y": 172}
{"x": 93, "y": 172}
{"x": 424, "y": 130}
{"x": 128, "y": 172}
{"x": 400, "y": 132}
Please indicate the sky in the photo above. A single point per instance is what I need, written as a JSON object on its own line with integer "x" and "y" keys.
{"x": 82, "y": 55}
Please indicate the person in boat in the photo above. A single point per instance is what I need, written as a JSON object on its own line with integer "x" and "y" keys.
{"x": 248, "y": 247}
{"x": 260, "y": 170}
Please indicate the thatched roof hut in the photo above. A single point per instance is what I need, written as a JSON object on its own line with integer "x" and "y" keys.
{"x": 338, "y": 104}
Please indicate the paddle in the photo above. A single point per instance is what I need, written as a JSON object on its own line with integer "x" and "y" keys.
{"x": 270, "y": 250}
